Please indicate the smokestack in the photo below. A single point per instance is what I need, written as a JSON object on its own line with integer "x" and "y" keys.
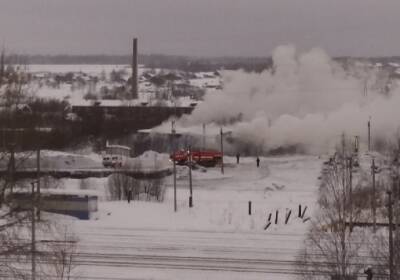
{"x": 1, "y": 65}
{"x": 134, "y": 93}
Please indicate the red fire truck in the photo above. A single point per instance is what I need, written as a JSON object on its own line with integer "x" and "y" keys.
{"x": 204, "y": 158}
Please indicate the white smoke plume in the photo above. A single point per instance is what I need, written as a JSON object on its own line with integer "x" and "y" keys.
{"x": 307, "y": 99}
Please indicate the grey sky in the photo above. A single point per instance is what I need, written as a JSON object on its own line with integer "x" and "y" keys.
{"x": 200, "y": 27}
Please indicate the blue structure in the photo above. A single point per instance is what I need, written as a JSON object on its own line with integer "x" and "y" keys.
{"x": 83, "y": 207}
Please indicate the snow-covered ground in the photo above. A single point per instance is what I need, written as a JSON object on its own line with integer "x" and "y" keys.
{"x": 216, "y": 239}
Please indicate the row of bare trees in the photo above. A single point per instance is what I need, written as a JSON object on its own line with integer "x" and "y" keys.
{"x": 30, "y": 248}
{"x": 121, "y": 186}
{"x": 345, "y": 241}
{"x": 27, "y": 241}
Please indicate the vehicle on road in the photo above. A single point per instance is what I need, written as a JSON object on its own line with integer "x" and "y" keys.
{"x": 116, "y": 156}
{"x": 204, "y": 158}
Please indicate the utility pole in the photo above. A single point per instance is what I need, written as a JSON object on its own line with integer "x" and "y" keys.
{"x": 351, "y": 191}
{"x": 222, "y": 151}
{"x": 38, "y": 181}
{"x": 33, "y": 234}
{"x": 344, "y": 163}
{"x": 11, "y": 167}
{"x": 391, "y": 270}
{"x": 343, "y": 147}
{"x": 174, "y": 163}
{"x": 204, "y": 136}
{"x": 373, "y": 170}
{"x": 397, "y": 218}
{"x": 369, "y": 134}
{"x": 190, "y": 178}
{"x": 356, "y": 144}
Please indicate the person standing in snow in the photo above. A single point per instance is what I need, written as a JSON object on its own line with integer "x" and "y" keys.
{"x": 369, "y": 273}
{"x": 258, "y": 161}
{"x": 129, "y": 196}
{"x": 237, "y": 158}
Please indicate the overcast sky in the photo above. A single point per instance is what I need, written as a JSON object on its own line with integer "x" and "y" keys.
{"x": 200, "y": 27}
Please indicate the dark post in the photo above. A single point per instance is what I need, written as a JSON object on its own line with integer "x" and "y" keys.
{"x": 391, "y": 270}
{"x": 304, "y": 212}
{"x": 351, "y": 191}
{"x": 38, "y": 182}
{"x": 174, "y": 163}
{"x": 250, "y": 208}
{"x": 276, "y": 216}
{"x": 12, "y": 167}
{"x": 288, "y": 217}
{"x": 204, "y": 136}
{"x": 369, "y": 134}
{"x": 134, "y": 70}
{"x": 373, "y": 200}
{"x": 222, "y": 151}
{"x": 299, "y": 210}
{"x": 33, "y": 234}
{"x": 356, "y": 144}
{"x": 190, "y": 178}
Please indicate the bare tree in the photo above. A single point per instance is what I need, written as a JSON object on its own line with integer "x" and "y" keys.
{"x": 380, "y": 243}
{"x": 57, "y": 255}
{"x": 119, "y": 185}
{"x": 333, "y": 246}
{"x": 13, "y": 246}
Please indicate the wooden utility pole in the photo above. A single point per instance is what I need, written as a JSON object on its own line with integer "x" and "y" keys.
{"x": 373, "y": 200}
{"x": 391, "y": 268}
{"x": 204, "y": 136}
{"x": 397, "y": 218}
{"x": 38, "y": 181}
{"x": 369, "y": 134}
{"x": 174, "y": 163}
{"x": 222, "y": 151}
{"x": 343, "y": 147}
{"x": 356, "y": 144}
{"x": 33, "y": 233}
{"x": 190, "y": 178}
{"x": 344, "y": 165}
{"x": 134, "y": 90}
{"x": 351, "y": 191}
{"x": 11, "y": 167}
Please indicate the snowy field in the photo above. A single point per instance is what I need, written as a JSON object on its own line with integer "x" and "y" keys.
{"x": 216, "y": 239}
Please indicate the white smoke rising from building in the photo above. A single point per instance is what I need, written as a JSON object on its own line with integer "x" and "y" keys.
{"x": 306, "y": 99}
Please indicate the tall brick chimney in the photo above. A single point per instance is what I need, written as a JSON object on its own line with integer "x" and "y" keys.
{"x": 134, "y": 93}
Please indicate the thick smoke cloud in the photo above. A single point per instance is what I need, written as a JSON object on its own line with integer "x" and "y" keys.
{"x": 306, "y": 99}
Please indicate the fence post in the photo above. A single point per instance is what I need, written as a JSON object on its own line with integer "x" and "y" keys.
{"x": 287, "y": 217}
{"x": 250, "y": 208}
